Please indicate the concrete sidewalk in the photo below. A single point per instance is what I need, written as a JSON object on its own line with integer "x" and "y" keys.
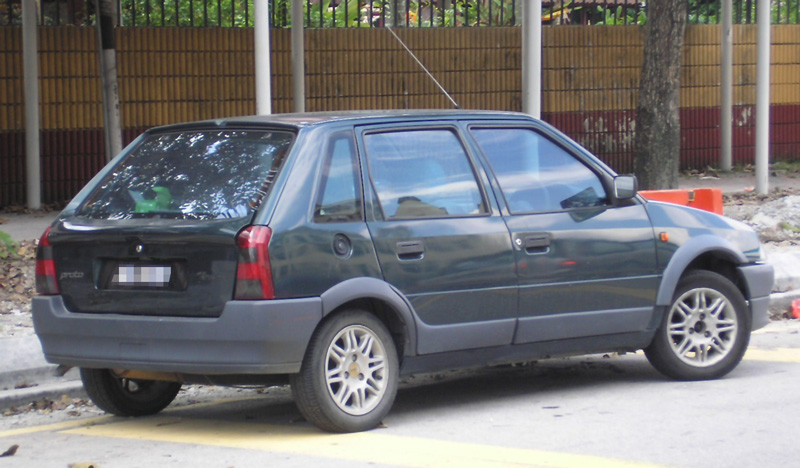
{"x": 26, "y": 226}
{"x": 25, "y": 376}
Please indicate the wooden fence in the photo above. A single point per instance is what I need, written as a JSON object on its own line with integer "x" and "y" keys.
{"x": 590, "y": 82}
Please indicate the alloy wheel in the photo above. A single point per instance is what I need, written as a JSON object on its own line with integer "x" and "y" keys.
{"x": 702, "y": 327}
{"x": 355, "y": 373}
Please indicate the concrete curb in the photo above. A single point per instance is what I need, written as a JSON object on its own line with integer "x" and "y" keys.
{"x": 24, "y": 366}
{"x": 783, "y": 300}
{"x": 38, "y": 383}
{"x": 20, "y": 397}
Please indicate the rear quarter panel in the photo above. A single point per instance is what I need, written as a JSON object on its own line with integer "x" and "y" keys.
{"x": 301, "y": 251}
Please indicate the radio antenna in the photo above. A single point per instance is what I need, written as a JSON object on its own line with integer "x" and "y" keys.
{"x": 455, "y": 104}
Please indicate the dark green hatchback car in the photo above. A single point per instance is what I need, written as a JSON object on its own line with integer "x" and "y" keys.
{"x": 337, "y": 252}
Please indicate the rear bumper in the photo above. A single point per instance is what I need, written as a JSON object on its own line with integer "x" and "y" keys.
{"x": 759, "y": 279}
{"x": 249, "y": 337}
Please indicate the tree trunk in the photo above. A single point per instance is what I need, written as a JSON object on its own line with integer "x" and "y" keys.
{"x": 657, "y": 142}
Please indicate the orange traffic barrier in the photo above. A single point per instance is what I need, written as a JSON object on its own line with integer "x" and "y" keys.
{"x": 709, "y": 199}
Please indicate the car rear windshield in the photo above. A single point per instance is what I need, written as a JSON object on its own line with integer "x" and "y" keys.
{"x": 202, "y": 174}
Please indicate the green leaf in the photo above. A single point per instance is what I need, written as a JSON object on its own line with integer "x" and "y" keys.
{"x": 8, "y": 248}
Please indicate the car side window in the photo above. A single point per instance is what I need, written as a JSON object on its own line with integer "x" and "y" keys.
{"x": 537, "y": 175}
{"x": 423, "y": 174}
{"x": 339, "y": 195}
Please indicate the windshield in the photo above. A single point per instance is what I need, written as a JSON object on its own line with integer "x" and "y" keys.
{"x": 202, "y": 174}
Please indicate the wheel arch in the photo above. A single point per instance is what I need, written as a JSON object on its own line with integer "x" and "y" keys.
{"x": 381, "y": 299}
{"x": 705, "y": 252}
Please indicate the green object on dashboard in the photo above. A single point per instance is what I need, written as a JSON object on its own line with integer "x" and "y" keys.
{"x": 161, "y": 202}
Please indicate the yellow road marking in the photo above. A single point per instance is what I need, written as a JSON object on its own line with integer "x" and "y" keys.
{"x": 57, "y": 426}
{"x": 367, "y": 447}
{"x": 791, "y": 355}
{"x": 111, "y": 419}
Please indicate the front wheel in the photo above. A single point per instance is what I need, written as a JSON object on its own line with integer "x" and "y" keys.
{"x": 349, "y": 376}
{"x": 127, "y": 397}
{"x": 705, "y": 332}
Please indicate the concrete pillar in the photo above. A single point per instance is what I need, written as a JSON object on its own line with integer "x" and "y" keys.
{"x": 262, "y": 50}
{"x": 764, "y": 17}
{"x": 532, "y": 58}
{"x": 726, "y": 88}
{"x": 30, "y": 67}
{"x": 298, "y": 57}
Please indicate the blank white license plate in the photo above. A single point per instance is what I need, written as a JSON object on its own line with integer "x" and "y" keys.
{"x": 142, "y": 275}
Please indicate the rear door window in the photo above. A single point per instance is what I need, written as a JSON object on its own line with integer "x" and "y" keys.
{"x": 423, "y": 174}
{"x": 339, "y": 196}
{"x": 200, "y": 174}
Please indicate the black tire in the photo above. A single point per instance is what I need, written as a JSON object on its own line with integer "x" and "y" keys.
{"x": 348, "y": 380}
{"x": 127, "y": 397}
{"x": 705, "y": 332}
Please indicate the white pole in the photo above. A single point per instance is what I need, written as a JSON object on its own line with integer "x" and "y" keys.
{"x": 726, "y": 82}
{"x": 298, "y": 57}
{"x": 762, "y": 96}
{"x": 532, "y": 58}
{"x": 261, "y": 49}
{"x": 30, "y": 70}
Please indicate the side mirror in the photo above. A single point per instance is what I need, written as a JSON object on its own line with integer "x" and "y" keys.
{"x": 625, "y": 187}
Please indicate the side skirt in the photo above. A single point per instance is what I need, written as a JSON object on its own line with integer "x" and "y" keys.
{"x": 475, "y": 358}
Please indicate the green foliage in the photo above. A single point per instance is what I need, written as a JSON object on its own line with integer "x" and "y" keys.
{"x": 789, "y": 167}
{"x": 344, "y": 15}
{"x": 704, "y": 12}
{"x": 786, "y": 12}
{"x": 744, "y": 11}
{"x": 621, "y": 16}
{"x": 321, "y": 14}
{"x": 376, "y": 13}
{"x": 212, "y": 13}
{"x": 410, "y": 13}
{"x": 8, "y": 248}
{"x": 789, "y": 227}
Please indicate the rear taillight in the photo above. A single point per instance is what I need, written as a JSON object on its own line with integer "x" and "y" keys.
{"x": 253, "y": 275}
{"x": 45, "y": 266}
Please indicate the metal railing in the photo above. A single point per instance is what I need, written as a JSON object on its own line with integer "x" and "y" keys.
{"x": 322, "y": 13}
{"x": 381, "y": 13}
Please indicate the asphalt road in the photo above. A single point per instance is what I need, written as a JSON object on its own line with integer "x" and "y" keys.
{"x": 583, "y": 412}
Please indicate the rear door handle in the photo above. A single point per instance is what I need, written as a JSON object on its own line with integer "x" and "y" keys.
{"x": 534, "y": 243}
{"x": 410, "y": 250}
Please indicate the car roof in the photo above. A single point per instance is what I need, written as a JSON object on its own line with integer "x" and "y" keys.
{"x": 309, "y": 119}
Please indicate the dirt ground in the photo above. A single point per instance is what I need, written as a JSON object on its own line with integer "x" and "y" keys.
{"x": 775, "y": 216}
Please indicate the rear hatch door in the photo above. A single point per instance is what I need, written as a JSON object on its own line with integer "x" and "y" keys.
{"x": 157, "y": 234}
{"x": 161, "y": 269}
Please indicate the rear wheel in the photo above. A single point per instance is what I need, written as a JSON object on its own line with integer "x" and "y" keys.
{"x": 705, "y": 332}
{"x": 349, "y": 375}
{"x": 127, "y": 397}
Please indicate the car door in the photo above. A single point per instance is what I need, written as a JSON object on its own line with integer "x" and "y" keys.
{"x": 586, "y": 266}
{"x": 438, "y": 237}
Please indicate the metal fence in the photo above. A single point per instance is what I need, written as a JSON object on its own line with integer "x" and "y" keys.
{"x": 381, "y": 13}
{"x": 323, "y": 13}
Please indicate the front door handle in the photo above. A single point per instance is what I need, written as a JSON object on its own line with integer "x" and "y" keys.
{"x": 410, "y": 250}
